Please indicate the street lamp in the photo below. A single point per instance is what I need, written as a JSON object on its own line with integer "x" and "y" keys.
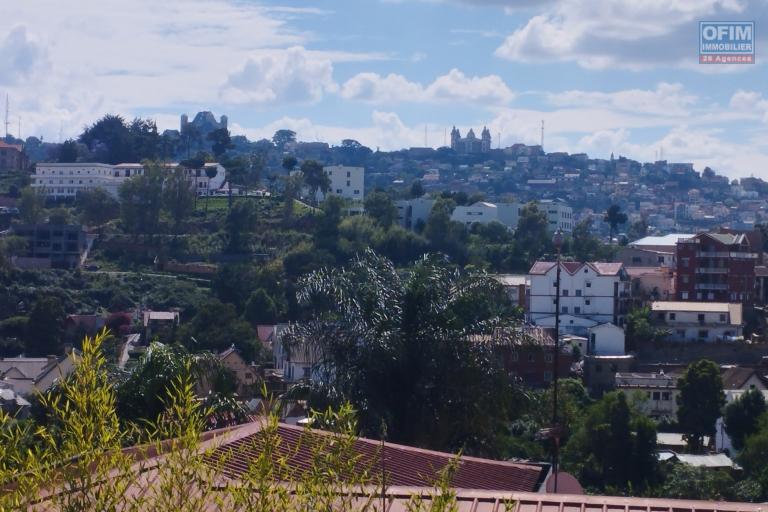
{"x": 557, "y": 242}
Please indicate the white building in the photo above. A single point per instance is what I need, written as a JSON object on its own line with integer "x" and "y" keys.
{"x": 699, "y": 321}
{"x": 65, "y": 181}
{"x": 559, "y": 215}
{"x": 346, "y": 182}
{"x": 30, "y": 375}
{"x": 483, "y": 212}
{"x": 296, "y": 363}
{"x": 654, "y": 394}
{"x": 413, "y": 212}
{"x": 590, "y": 294}
{"x": 606, "y": 340}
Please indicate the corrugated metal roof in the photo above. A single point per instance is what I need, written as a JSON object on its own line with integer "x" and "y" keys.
{"x": 694, "y": 307}
{"x": 669, "y": 240}
{"x": 718, "y": 460}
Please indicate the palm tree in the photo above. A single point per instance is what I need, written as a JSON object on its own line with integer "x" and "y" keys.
{"x": 614, "y": 216}
{"x": 413, "y": 351}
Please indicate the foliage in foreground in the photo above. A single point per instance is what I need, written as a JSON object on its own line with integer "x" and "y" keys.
{"x": 77, "y": 461}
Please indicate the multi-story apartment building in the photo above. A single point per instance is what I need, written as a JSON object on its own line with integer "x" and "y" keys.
{"x": 65, "y": 181}
{"x": 699, "y": 321}
{"x": 658, "y": 390}
{"x": 413, "y": 212}
{"x": 590, "y": 294}
{"x": 559, "y": 215}
{"x": 51, "y": 246}
{"x": 346, "y": 182}
{"x": 716, "y": 267}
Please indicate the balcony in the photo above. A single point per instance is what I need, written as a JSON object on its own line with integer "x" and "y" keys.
{"x": 711, "y": 270}
{"x": 711, "y": 287}
{"x": 726, "y": 254}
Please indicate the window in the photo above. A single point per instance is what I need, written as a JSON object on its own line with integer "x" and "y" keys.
{"x": 548, "y": 357}
{"x": 701, "y": 318}
{"x": 338, "y": 191}
{"x": 565, "y": 293}
{"x": 637, "y": 260}
{"x": 666, "y": 396}
{"x": 589, "y": 284}
{"x": 357, "y": 192}
{"x": 685, "y": 261}
{"x": 577, "y": 310}
{"x": 305, "y": 372}
{"x": 531, "y": 358}
{"x": 349, "y": 183}
{"x": 685, "y": 279}
{"x": 722, "y": 317}
{"x": 564, "y": 310}
{"x": 587, "y": 302}
{"x": 656, "y": 396}
{"x": 349, "y": 174}
{"x": 578, "y": 293}
{"x": 681, "y": 334}
{"x": 684, "y": 295}
{"x": 672, "y": 316}
{"x": 547, "y": 376}
{"x": 661, "y": 260}
{"x": 703, "y": 334}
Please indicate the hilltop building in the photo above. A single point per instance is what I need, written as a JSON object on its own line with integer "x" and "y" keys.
{"x": 470, "y": 143}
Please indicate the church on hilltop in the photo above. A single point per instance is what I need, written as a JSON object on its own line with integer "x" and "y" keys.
{"x": 470, "y": 143}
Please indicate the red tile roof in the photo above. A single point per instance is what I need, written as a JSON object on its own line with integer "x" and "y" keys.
{"x": 5, "y": 145}
{"x": 405, "y": 465}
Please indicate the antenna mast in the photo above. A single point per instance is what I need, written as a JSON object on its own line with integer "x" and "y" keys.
{"x": 7, "y": 111}
{"x": 542, "y": 135}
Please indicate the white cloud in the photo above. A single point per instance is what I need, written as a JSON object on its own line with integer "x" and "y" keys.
{"x": 290, "y": 76}
{"x": 20, "y": 57}
{"x": 750, "y": 103}
{"x": 619, "y": 33}
{"x": 666, "y": 100}
{"x": 453, "y": 86}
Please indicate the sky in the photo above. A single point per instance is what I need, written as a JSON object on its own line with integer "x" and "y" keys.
{"x": 605, "y": 76}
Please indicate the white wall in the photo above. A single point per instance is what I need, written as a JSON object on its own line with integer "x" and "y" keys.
{"x": 411, "y": 211}
{"x": 606, "y": 340}
{"x": 346, "y": 182}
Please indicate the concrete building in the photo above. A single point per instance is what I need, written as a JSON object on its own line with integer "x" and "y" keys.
{"x": 12, "y": 157}
{"x": 346, "y": 182}
{"x": 65, "y": 181}
{"x": 412, "y": 213}
{"x": 606, "y": 340}
{"x": 51, "y": 246}
{"x": 652, "y": 283}
{"x": 559, "y": 215}
{"x": 470, "y": 143}
{"x": 483, "y": 212}
{"x": 655, "y": 394}
{"x": 717, "y": 267}
{"x": 590, "y": 294}
{"x": 29, "y": 375}
{"x": 516, "y": 287}
{"x": 699, "y": 321}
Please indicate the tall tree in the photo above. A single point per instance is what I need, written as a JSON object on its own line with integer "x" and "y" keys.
{"x": 97, "y": 206}
{"x": 221, "y": 141}
{"x": 315, "y": 178}
{"x": 614, "y": 217}
{"x": 408, "y": 349}
{"x": 31, "y": 206}
{"x": 67, "y": 152}
{"x": 239, "y": 224}
{"x": 283, "y": 137}
{"x": 638, "y": 229}
{"x": 532, "y": 232}
{"x": 700, "y": 401}
{"x": 417, "y": 189}
{"x": 179, "y": 194}
{"x": 380, "y": 207}
{"x": 45, "y": 327}
{"x": 289, "y": 163}
{"x": 141, "y": 199}
{"x": 109, "y": 139}
{"x": 291, "y": 190}
{"x": 585, "y": 246}
{"x": 216, "y": 327}
{"x": 742, "y": 416}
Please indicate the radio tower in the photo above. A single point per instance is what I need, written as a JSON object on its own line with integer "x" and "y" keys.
{"x": 542, "y": 135}
{"x": 7, "y": 111}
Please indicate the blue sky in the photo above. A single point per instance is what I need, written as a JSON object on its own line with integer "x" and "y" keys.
{"x": 606, "y": 76}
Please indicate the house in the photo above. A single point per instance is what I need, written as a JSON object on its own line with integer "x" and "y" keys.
{"x": 412, "y": 213}
{"x": 346, "y": 182}
{"x": 652, "y": 283}
{"x": 606, "y": 340}
{"x": 483, "y": 212}
{"x": 28, "y": 375}
{"x": 699, "y": 321}
{"x": 529, "y": 357}
{"x": 12, "y": 403}
{"x": 652, "y": 251}
{"x": 296, "y": 362}
{"x": 246, "y": 373}
{"x": 51, "y": 246}
{"x": 590, "y": 294}
{"x": 12, "y": 157}
{"x": 718, "y": 267}
{"x": 656, "y": 393}
{"x": 155, "y": 321}
{"x": 599, "y": 372}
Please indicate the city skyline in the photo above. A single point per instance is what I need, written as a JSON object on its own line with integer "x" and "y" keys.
{"x": 377, "y": 72}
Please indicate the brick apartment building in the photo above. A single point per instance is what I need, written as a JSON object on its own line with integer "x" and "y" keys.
{"x": 718, "y": 267}
{"x": 12, "y": 157}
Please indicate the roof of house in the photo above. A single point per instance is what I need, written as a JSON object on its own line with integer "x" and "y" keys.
{"x": 726, "y": 238}
{"x": 5, "y": 145}
{"x": 674, "y": 439}
{"x": 735, "y": 377}
{"x": 602, "y": 269}
{"x": 511, "y": 279}
{"x": 669, "y": 240}
{"x": 29, "y": 367}
{"x": 405, "y": 465}
{"x": 645, "y": 380}
{"x": 718, "y": 460}
{"x": 734, "y": 310}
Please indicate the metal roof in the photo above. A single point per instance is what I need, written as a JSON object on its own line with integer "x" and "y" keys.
{"x": 659, "y": 241}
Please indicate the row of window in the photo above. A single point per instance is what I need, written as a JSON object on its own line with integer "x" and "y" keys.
{"x": 735, "y": 296}
{"x": 531, "y": 357}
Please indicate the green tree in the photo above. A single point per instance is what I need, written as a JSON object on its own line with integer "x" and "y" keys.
{"x": 409, "y": 349}
{"x": 614, "y": 217}
{"x": 445, "y": 235}
{"x": 109, "y": 139}
{"x": 696, "y": 483}
{"x": 216, "y": 327}
{"x": 291, "y": 190}
{"x": 281, "y": 138}
{"x": 261, "y": 308}
{"x": 141, "y": 199}
{"x": 532, "y": 232}
{"x": 221, "y": 140}
{"x": 31, "y": 206}
{"x": 742, "y": 416}
{"x": 67, "y": 153}
{"x": 327, "y": 228}
{"x": 45, "y": 327}
{"x": 315, "y": 178}
{"x": 240, "y": 222}
{"x": 97, "y": 207}
{"x": 700, "y": 401}
{"x": 417, "y": 189}
{"x": 59, "y": 216}
{"x": 289, "y": 163}
{"x": 638, "y": 229}
{"x": 380, "y": 207}
{"x": 639, "y": 329}
{"x": 586, "y": 246}
{"x": 179, "y": 194}
{"x": 10, "y": 246}
{"x": 613, "y": 447}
